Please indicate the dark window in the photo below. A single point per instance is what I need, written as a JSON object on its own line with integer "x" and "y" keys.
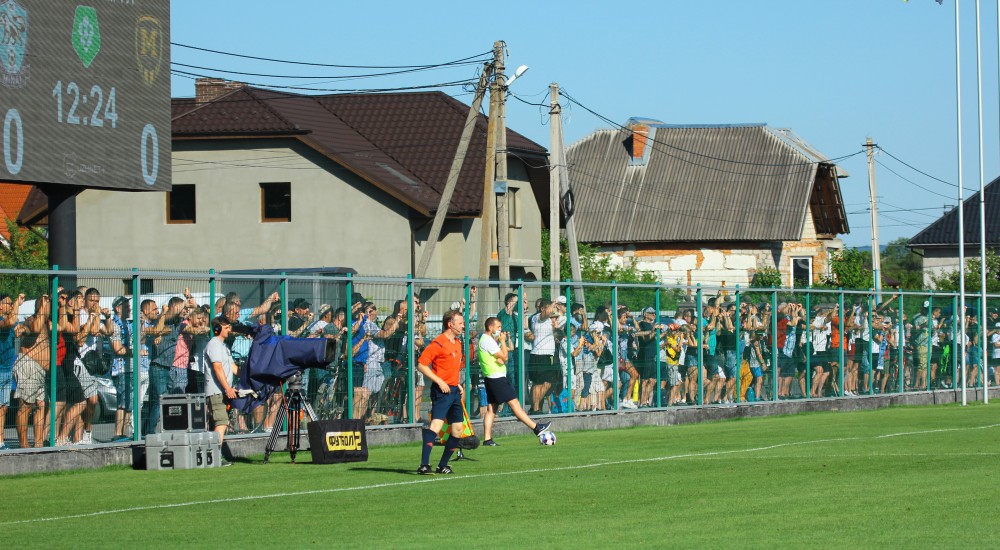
{"x": 181, "y": 204}
{"x": 801, "y": 272}
{"x": 276, "y": 202}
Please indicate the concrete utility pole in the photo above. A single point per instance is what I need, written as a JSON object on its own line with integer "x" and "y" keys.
{"x": 558, "y": 170}
{"x": 456, "y": 168}
{"x": 503, "y": 219}
{"x": 555, "y": 160}
{"x": 486, "y": 233}
{"x": 873, "y": 207}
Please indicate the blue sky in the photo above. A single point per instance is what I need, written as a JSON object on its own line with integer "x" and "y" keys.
{"x": 835, "y": 71}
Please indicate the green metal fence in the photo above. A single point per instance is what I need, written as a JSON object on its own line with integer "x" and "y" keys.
{"x": 122, "y": 339}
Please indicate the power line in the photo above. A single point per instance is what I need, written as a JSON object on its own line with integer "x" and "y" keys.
{"x": 655, "y": 141}
{"x": 919, "y": 171}
{"x": 309, "y": 64}
{"x": 911, "y": 182}
{"x": 328, "y": 78}
{"x": 195, "y": 76}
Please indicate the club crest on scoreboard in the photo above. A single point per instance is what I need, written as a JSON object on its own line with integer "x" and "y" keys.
{"x": 13, "y": 44}
{"x": 149, "y": 47}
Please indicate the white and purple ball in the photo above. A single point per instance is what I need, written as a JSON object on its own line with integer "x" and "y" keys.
{"x": 547, "y": 438}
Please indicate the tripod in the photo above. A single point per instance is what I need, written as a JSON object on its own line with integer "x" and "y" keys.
{"x": 292, "y": 404}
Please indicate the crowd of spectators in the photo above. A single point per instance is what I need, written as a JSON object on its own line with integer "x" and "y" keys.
{"x": 574, "y": 360}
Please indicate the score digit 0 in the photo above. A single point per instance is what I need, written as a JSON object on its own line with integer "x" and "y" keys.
{"x": 12, "y": 121}
{"x": 149, "y": 135}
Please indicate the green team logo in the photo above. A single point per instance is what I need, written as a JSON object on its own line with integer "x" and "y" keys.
{"x": 86, "y": 34}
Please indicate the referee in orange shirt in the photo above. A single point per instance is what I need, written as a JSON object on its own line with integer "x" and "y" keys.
{"x": 440, "y": 363}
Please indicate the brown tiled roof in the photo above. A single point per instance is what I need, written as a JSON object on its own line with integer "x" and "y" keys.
{"x": 402, "y": 143}
{"x": 12, "y": 197}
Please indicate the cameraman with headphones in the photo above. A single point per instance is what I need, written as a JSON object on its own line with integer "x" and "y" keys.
{"x": 220, "y": 370}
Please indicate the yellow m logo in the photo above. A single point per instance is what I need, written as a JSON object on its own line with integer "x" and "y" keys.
{"x": 149, "y": 42}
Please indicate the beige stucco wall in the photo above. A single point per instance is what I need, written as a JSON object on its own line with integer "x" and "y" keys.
{"x": 726, "y": 264}
{"x": 338, "y": 219}
{"x": 459, "y": 250}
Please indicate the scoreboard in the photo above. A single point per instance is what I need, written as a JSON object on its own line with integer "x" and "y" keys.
{"x": 85, "y": 93}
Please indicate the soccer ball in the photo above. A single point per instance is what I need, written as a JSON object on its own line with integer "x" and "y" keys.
{"x": 547, "y": 438}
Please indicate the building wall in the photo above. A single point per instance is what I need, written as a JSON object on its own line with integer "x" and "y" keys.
{"x": 938, "y": 261}
{"x": 728, "y": 264}
{"x": 338, "y": 219}
{"x": 459, "y": 250}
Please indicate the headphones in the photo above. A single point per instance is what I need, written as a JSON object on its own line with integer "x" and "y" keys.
{"x": 216, "y": 329}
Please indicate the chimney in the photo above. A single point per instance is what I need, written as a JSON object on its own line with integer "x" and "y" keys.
{"x": 210, "y": 89}
{"x": 640, "y": 133}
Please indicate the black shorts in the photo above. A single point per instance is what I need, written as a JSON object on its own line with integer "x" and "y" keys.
{"x": 786, "y": 365}
{"x": 646, "y": 369}
{"x": 447, "y": 406}
{"x": 60, "y": 384}
{"x": 499, "y": 390}
{"x": 542, "y": 369}
{"x": 74, "y": 390}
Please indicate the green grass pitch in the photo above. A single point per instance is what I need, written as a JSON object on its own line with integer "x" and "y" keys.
{"x": 907, "y": 477}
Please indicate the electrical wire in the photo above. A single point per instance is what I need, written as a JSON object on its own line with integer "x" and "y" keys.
{"x": 331, "y": 78}
{"x": 911, "y": 182}
{"x": 919, "y": 171}
{"x": 289, "y": 62}
{"x": 195, "y": 76}
{"x": 694, "y": 153}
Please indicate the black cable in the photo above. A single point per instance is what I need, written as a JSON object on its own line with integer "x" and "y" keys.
{"x": 303, "y": 77}
{"x": 243, "y": 56}
{"x": 654, "y": 141}
{"x": 911, "y": 182}
{"x": 193, "y": 76}
{"x": 919, "y": 171}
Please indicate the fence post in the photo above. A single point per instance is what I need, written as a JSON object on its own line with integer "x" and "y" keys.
{"x": 349, "y": 413}
{"x": 900, "y": 340}
{"x": 614, "y": 344}
{"x": 285, "y": 308}
{"x": 466, "y": 342}
{"x": 569, "y": 347}
{"x": 843, "y": 340}
{"x": 410, "y": 338}
{"x": 930, "y": 348}
{"x": 699, "y": 331}
{"x": 774, "y": 344}
{"x": 53, "y": 343}
{"x": 872, "y": 356}
{"x": 519, "y": 316}
{"x": 659, "y": 336}
{"x": 955, "y": 344}
{"x": 738, "y": 383}
{"x": 136, "y": 357}
{"x": 809, "y": 324}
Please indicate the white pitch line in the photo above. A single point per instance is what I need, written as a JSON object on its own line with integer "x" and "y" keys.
{"x": 484, "y": 475}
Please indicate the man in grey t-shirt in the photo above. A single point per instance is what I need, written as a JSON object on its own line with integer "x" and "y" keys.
{"x": 218, "y": 363}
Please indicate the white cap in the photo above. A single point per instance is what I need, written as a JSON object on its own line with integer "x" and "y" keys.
{"x": 560, "y": 299}
{"x": 597, "y": 325}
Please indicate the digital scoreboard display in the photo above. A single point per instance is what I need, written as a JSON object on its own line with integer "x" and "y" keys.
{"x": 85, "y": 92}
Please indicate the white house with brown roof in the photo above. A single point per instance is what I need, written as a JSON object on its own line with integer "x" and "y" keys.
{"x": 708, "y": 204}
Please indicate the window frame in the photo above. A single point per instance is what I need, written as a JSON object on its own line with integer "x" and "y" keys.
{"x": 194, "y": 205}
{"x": 265, "y": 186}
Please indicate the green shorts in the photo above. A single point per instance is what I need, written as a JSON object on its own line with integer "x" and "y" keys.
{"x": 217, "y": 412}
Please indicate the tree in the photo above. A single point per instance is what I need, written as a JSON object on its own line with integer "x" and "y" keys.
{"x": 25, "y": 250}
{"x": 902, "y": 264}
{"x": 949, "y": 281}
{"x": 597, "y": 268}
{"x": 849, "y": 269}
